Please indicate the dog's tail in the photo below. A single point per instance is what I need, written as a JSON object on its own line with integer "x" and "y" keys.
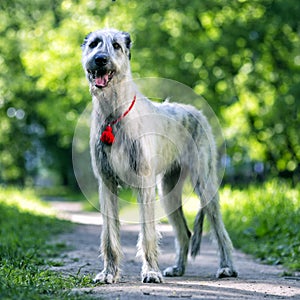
{"x": 198, "y": 229}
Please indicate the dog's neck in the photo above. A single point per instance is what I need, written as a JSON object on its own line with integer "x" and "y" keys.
{"x": 111, "y": 102}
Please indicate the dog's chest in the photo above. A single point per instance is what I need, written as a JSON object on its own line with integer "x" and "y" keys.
{"x": 119, "y": 161}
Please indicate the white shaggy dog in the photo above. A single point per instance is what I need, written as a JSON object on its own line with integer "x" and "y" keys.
{"x": 134, "y": 142}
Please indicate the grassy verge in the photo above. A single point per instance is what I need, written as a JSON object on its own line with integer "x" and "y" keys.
{"x": 26, "y": 225}
{"x": 265, "y": 221}
{"x": 59, "y": 192}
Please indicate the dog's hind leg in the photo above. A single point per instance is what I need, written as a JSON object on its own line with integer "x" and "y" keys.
{"x": 210, "y": 206}
{"x": 110, "y": 236}
{"x": 148, "y": 238}
{"x": 171, "y": 193}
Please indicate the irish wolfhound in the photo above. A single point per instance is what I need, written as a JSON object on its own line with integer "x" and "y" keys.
{"x": 143, "y": 144}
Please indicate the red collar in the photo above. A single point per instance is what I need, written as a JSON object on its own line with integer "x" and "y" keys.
{"x": 107, "y": 136}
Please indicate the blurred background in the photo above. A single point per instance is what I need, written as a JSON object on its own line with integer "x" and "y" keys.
{"x": 242, "y": 56}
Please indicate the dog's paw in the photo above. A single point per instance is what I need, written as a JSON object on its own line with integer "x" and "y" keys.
{"x": 173, "y": 271}
{"x": 152, "y": 277}
{"x": 226, "y": 272}
{"x": 104, "y": 277}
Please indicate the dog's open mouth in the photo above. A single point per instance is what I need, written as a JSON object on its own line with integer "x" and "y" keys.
{"x": 101, "y": 80}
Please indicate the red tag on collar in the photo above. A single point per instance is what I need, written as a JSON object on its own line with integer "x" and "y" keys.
{"x": 107, "y": 136}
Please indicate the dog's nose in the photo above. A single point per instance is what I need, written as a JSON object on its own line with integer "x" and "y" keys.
{"x": 101, "y": 60}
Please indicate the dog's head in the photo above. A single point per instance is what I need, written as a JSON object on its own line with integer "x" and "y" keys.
{"x": 106, "y": 55}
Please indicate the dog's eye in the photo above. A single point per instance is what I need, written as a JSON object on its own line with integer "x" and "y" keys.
{"x": 94, "y": 44}
{"x": 116, "y": 46}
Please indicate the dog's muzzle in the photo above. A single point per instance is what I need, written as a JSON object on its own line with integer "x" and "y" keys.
{"x": 99, "y": 72}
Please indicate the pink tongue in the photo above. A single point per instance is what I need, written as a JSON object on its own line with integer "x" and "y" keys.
{"x": 102, "y": 81}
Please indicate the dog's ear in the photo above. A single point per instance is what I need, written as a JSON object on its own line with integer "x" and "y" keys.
{"x": 128, "y": 43}
{"x": 127, "y": 38}
{"x": 85, "y": 40}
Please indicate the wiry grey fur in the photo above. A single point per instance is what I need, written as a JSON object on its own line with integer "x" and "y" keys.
{"x": 155, "y": 144}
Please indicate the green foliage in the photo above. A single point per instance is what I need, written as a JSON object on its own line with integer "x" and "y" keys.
{"x": 264, "y": 221}
{"x": 242, "y": 56}
{"x": 26, "y": 224}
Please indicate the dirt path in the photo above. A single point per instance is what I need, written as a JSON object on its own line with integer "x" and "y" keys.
{"x": 255, "y": 281}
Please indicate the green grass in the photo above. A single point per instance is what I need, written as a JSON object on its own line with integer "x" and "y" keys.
{"x": 26, "y": 226}
{"x": 59, "y": 192}
{"x": 264, "y": 220}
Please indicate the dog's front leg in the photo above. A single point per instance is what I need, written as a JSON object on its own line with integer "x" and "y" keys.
{"x": 148, "y": 238}
{"x": 110, "y": 237}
